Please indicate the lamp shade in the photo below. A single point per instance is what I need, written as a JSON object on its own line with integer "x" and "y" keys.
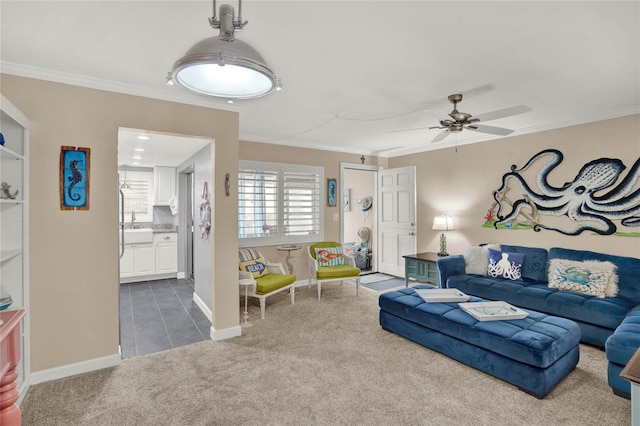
{"x": 443, "y": 223}
{"x": 224, "y": 68}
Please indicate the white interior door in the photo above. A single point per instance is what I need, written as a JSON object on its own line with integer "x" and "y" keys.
{"x": 396, "y": 218}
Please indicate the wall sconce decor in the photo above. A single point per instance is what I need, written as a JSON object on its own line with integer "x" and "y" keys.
{"x": 443, "y": 223}
{"x": 75, "y": 165}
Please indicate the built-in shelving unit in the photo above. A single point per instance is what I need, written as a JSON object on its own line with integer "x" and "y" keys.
{"x": 14, "y": 223}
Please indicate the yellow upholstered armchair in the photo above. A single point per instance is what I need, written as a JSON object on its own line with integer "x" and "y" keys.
{"x": 327, "y": 262}
{"x": 270, "y": 278}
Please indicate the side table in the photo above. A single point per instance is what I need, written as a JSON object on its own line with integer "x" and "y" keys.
{"x": 9, "y": 357}
{"x": 421, "y": 267}
{"x": 289, "y": 248}
{"x": 246, "y": 283}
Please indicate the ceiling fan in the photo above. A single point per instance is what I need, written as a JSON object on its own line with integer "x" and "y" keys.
{"x": 462, "y": 120}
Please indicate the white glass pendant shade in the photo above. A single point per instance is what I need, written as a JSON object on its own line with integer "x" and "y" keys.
{"x": 226, "y": 69}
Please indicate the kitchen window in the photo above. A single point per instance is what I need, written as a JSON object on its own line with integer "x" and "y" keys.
{"x": 137, "y": 187}
{"x": 279, "y": 203}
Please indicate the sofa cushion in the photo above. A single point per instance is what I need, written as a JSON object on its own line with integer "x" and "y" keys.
{"x": 535, "y": 261}
{"x": 590, "y": 277}
{"x": 339, "y": 271}
{"x": 622, "y": 344}
{"x": 257, "y": 267}
{"x": 607, "y": 312}
{"x": 271, "y": 282}
{"x": 476, "y": 258}
{"x": 329, "y": 256}
{"x": 628, "y": 269}
{"x": 505, "y": 265}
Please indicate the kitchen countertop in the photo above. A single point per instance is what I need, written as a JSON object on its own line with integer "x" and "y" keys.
{"x": 157, "y": 228}
{"x": 164, "y": 230}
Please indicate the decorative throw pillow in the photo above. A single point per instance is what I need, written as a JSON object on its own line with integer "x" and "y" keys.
{"x": 590, "y": 277}
{"x": 505, "y": 265}
{"x": 329, "y": 256}
{"x": 257, "y": 267}
{"x": 476, "y": 258}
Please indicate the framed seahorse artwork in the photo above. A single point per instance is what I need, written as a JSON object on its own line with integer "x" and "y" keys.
{"x": 75, "y": 164}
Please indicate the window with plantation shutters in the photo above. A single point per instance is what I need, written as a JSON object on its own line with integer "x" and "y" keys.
{"x": 257, "y": 202}
{"x": 137, "y": 187}
{"x": 301, "y": 203}
{"x": 279, "y": 203}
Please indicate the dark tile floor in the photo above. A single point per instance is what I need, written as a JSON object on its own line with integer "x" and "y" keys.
{"x": 159, "y": 315}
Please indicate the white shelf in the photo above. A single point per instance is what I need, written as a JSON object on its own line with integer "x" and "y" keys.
{"x": 10, "y": 201}
{"x": 9, "y": 154}
{"x": 14, "y": 224}
{"x": 7, "y": 254}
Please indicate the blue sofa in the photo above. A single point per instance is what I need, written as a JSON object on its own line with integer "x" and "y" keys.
{"x": 612, "y": 323}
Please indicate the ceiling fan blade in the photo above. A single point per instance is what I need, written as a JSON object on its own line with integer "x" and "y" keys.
{"x": 501, "y": 131}
{"x": 501, "y": 113}
{"x": 443, "y": 134}
{"x": 408, "y": 130}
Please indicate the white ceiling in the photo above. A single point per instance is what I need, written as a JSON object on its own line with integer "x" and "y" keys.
{"x": 142, "y": 148}
{"x": 354, "y": 71}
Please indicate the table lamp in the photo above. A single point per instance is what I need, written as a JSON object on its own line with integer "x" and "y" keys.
{"x": 443, "y": 223}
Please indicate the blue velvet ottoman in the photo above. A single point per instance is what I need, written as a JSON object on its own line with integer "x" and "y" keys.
{"x": 534, "y": 353}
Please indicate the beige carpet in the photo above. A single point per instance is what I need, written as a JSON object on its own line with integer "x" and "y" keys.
{"x": 317, "y": 362}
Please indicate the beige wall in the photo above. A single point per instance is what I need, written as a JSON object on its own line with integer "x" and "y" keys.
{"x": 74, "y": 255}
{"x": 362, "y": 184}
{"x": 306, "y": 156}
{"x": 461, "y": 183}
{"x": 74, "y": 259}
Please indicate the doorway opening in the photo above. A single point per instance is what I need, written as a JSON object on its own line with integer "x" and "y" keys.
{"x": 156, "y": 282}
{"x": 358, "y": 216}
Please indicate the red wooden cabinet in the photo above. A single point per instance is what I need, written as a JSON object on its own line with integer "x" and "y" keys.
{"x": 9, "y": 357}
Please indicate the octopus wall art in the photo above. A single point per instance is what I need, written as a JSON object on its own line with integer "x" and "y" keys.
{"x": 592, "y": 201}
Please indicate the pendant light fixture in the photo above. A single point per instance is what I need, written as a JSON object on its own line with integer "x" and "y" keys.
{"x": 125, "y": 182}
{"x": 223, "y": 66}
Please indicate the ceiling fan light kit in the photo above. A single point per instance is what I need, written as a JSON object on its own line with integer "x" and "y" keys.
{"x": 223, "y": 66}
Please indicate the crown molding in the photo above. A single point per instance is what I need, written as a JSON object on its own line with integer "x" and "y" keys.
{"x": 185, "y": 98}
{"x": 112, "y": 86}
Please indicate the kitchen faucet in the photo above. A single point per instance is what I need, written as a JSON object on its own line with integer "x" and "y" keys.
{"x": 133, "y": 216}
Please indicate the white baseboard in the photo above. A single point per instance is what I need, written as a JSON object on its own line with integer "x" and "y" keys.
{"x": 152, "y": 277}
{"x": 302, "y": 283}
{"x": 73, "y": 369}
{"x": 203, "y": 307}
{"x": 225, "y": 333}
{"x": 181, "y": 275}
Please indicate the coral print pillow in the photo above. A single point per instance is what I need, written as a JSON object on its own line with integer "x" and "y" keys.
{"x": 505, "y": 265}
{"x": 329, "y": 256}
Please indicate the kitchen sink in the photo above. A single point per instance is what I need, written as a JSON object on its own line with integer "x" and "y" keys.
{"x": 132, "y": 236}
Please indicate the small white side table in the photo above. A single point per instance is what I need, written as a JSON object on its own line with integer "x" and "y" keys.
{"x": 289, "y": 248}
{"x": 246, "y": 283}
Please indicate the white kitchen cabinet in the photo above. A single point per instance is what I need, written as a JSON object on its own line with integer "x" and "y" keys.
{"x": 14, "y": 224}
{"x": 126, "y": 262}
{"x": 166, "y": 252}
{"x": 164, "y": 181}
{"x": 144, "y": 260}
{"x": 138, "y": 262}
{"x": 150, "y": 261}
